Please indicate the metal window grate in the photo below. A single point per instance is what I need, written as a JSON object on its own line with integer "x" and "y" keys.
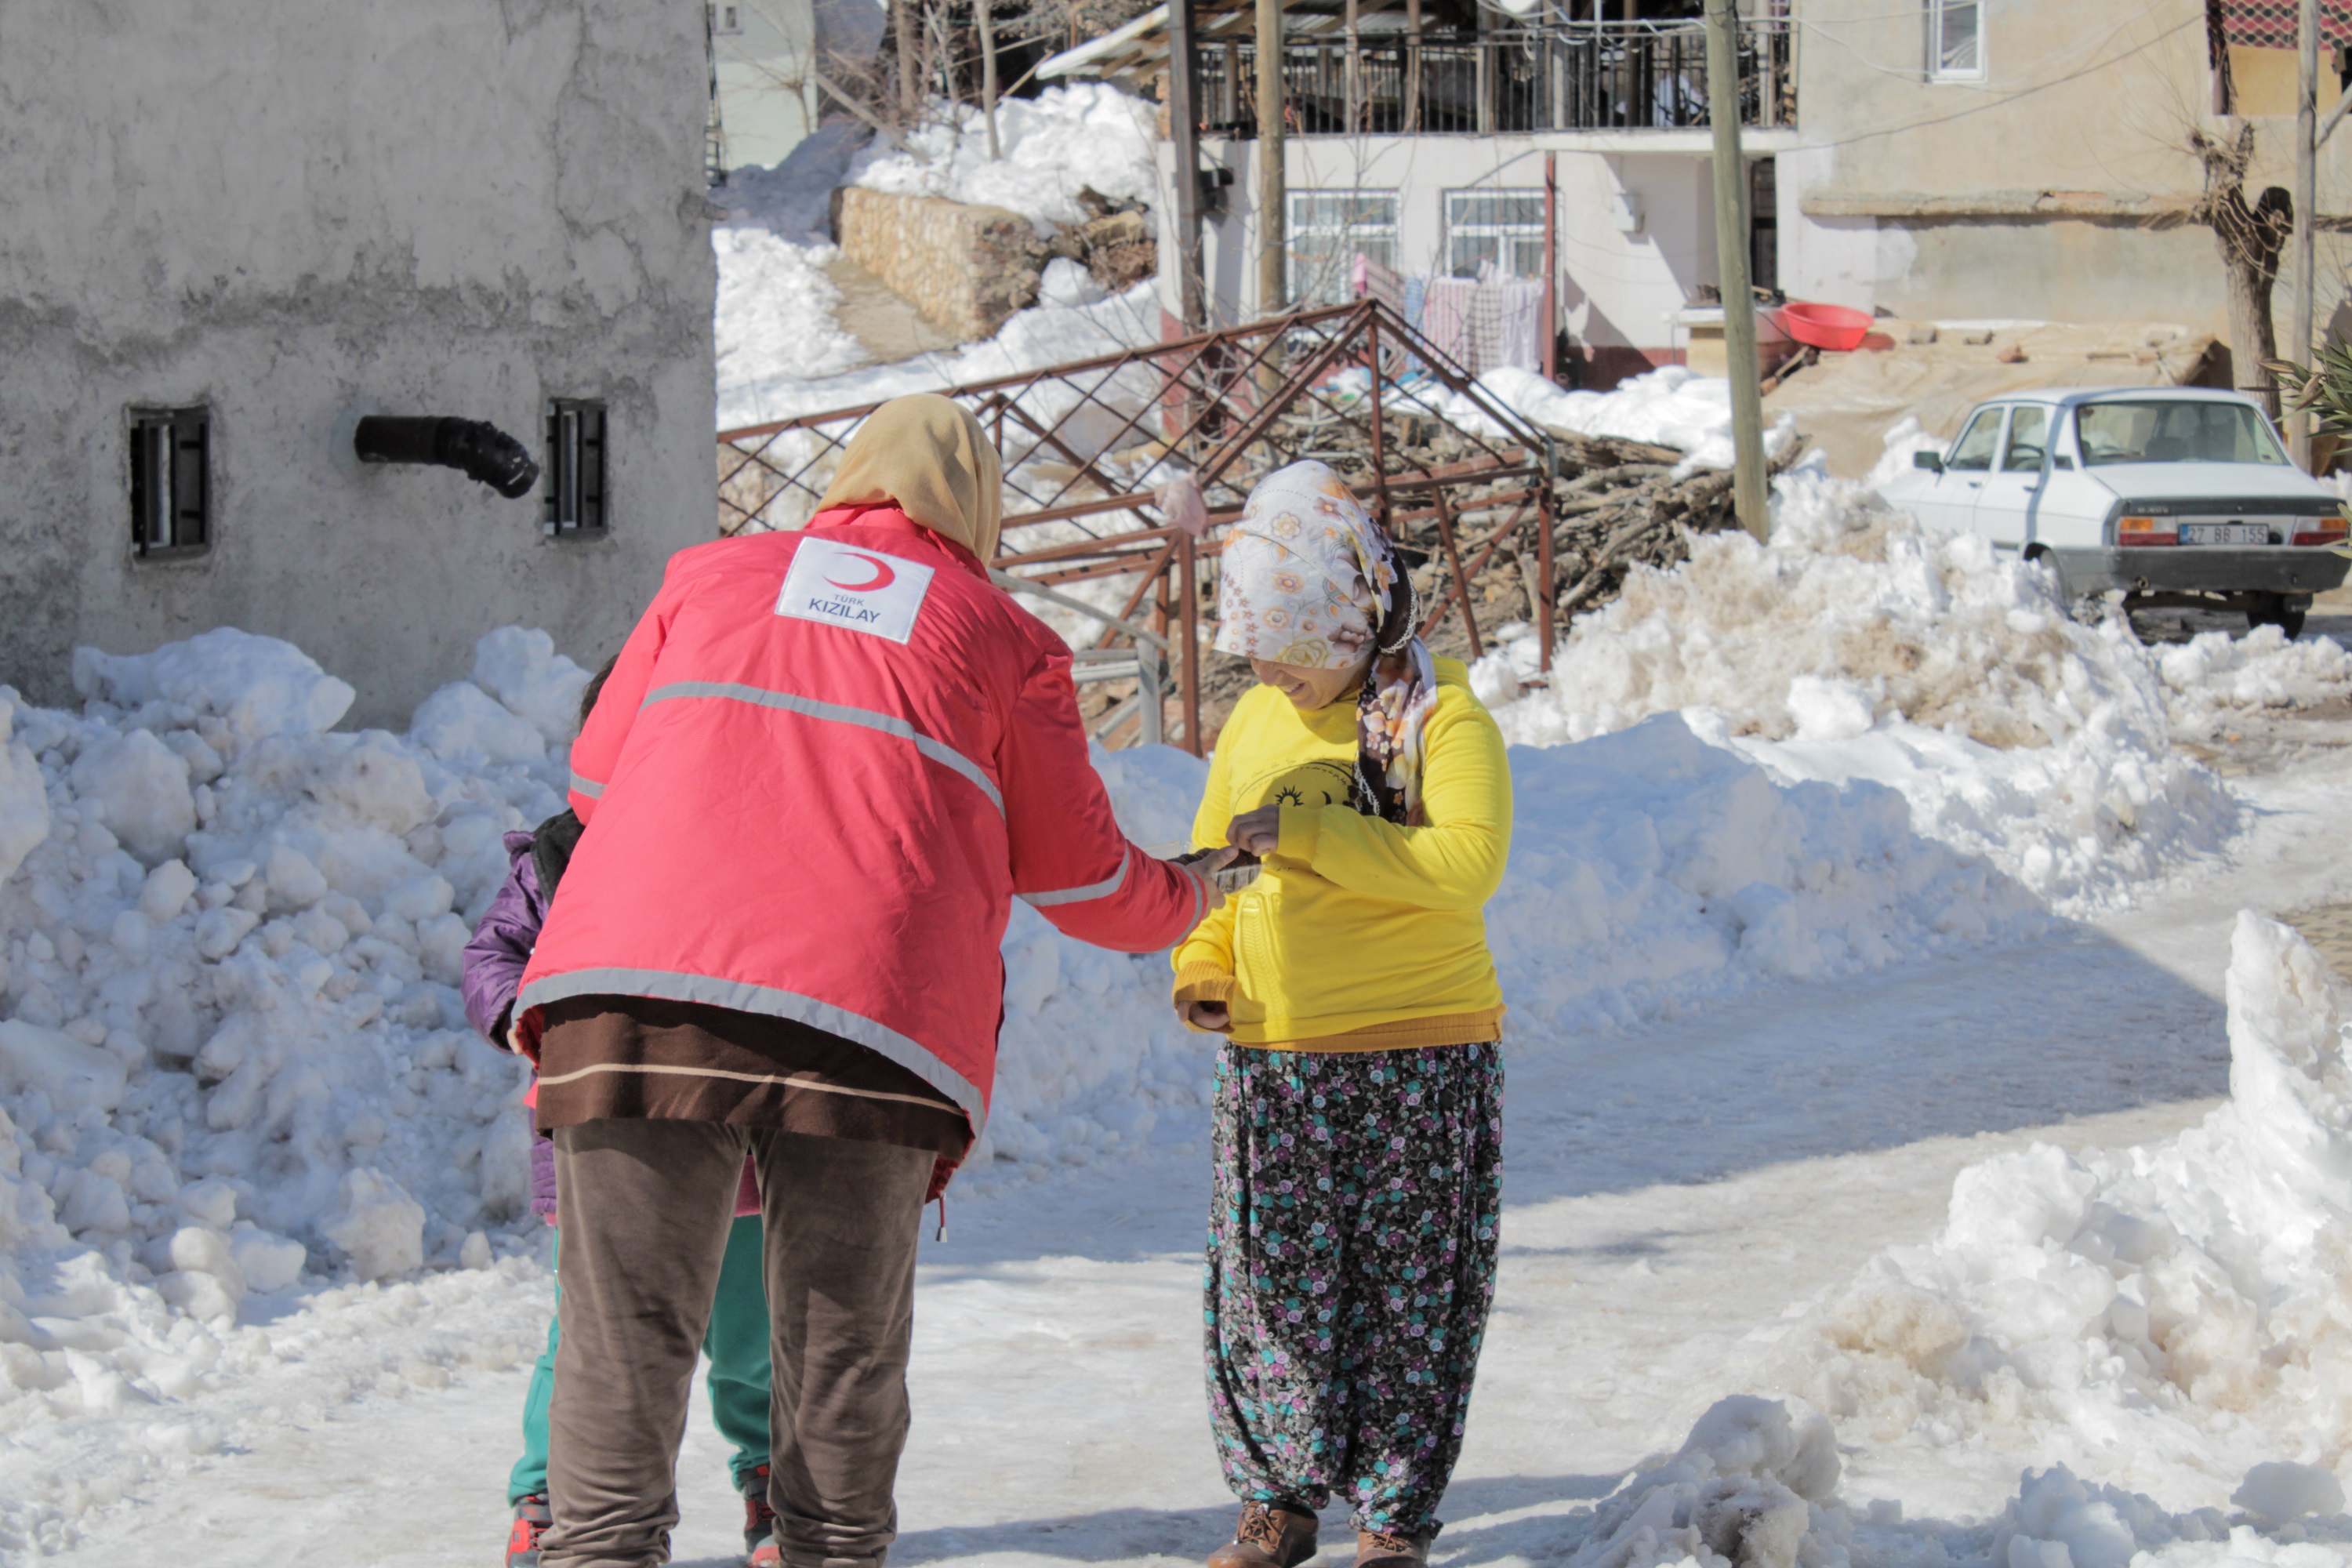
{"x": 1327, "y": 229}
{"x": 171, "y": 481}
{"x": 1504, "y": 226}
{"x": 576, "y": 466}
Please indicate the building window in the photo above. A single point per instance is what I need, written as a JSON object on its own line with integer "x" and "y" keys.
{"x": 576, "y": 466}
{"x": 1502, "y": 228}
{"x": 1328, "y": 229}
{"x": 171, "y": 481}
{"x": 1955, "y": 41}
{"x": 725, "y": 20}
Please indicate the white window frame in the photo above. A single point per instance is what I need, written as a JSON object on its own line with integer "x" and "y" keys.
{"x": 1377, "y": 239}
{"x": 726, "y": 17}
{"x": 1504, "y": 235}
{"x": 1938, "y": 11}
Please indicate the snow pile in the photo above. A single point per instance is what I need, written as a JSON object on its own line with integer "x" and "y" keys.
{"x": 1753, "y": 1486}
{"x": 1088, "y": 133}
{"x": 1648, "y": 869}
{"x": 1756, "y": 1485}
{"x": 2166, "y": 1316}
{"x": 781, "y": 353}
{"x": 237, "y": 1088}
{"x": 1858, "y": 647}
{"x": 2214, "y": 676}
{"x": 775, "y": 311}
{"x": 1674, "y": 406}
{"x": 753, "y": 392}
{"x": 1905, "y": 439}
{"x": 794, "y": 200}
{"x": 1661, "y": 864}
{"x": 233, "y": 1059}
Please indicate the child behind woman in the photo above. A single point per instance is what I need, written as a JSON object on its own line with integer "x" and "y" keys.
{"x": 738, "y": 1340}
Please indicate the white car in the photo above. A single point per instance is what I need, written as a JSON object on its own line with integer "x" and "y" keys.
{"x": 2177, "y": 496}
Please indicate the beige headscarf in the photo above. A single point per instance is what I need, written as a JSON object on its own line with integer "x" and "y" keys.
{"x": 929, "y": 455}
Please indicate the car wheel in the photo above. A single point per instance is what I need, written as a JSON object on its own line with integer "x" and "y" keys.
{"x": 2271, "y": 610}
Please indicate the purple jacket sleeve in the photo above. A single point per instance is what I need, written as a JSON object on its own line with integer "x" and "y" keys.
{"x": 501, "y": 944}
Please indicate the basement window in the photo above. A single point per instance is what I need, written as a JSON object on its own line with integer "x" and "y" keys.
{"x": 576, "y": 466}
{"x": 171, "y": 481}
{"x": 1327, "y": 229}
{"x": 1503, "y": 226}
{"x": 1955, "y": 41}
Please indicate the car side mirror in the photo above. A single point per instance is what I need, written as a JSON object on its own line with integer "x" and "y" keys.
{"x": 1932, "y": 461}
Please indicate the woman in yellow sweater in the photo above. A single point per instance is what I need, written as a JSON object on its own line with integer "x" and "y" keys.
{"x": 1358, "y": 1117}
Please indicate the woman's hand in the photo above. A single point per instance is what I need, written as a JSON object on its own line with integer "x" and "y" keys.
{"x": 1212, "y": 1016}
{"x": 1259, "y": 832}
{"x": 1204, "y": 874}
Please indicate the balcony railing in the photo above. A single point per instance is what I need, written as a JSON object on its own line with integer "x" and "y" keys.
{"x": 1567, "y": 76}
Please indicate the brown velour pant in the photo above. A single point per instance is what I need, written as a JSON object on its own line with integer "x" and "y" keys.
{"x": 644, "y": 1208}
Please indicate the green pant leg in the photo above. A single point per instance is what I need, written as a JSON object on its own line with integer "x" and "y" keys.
{"x": 737, "y": 1345}
{"x": 528, "y": 1478}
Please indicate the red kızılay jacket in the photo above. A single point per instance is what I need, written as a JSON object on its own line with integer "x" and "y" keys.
{"x": 822, "y": 768}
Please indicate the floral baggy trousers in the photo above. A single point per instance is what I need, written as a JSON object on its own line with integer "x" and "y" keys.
{"x": 1352, "y": 1226}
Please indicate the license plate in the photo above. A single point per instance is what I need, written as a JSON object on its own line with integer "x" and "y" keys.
{"x": 2225, "y": 534}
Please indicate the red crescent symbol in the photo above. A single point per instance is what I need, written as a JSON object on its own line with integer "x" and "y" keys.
{"x": 883, "y": 575}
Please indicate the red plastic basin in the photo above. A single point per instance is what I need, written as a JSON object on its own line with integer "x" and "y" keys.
{"x": 1831, "y": 327}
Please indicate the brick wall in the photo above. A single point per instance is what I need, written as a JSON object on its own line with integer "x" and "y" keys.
{"x": 965, "y": 267}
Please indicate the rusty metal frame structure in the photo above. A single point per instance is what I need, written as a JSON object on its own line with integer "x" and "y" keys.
{"x": 1089, "y": 446}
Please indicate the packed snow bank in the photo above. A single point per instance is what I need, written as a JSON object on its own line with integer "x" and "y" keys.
{"x": 1753, "y": 1486}
{"x": 1673, "y": 407}
{"x": 794, "y": 200}
{"x": 2170, "y": 1318}
{"x": 1029, "y": 340}
{"x": 1756, "y": 1485}
{"x": 781, "y": 353}
{"x": 1648, "y": 869}
{"x": 2214, "y": 677}
{"x": 1086, "y": 134}
{"x": 1858, "y": 647}
{"x": 775, "y": 311}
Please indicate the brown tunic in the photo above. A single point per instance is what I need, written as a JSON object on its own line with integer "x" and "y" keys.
{"x": 635, "y": 1057}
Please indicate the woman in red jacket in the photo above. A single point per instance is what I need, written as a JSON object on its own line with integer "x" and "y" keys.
{"x": 824, "y": 765}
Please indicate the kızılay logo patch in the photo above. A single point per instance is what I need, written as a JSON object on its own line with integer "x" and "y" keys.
{"x": 858, "y": 590}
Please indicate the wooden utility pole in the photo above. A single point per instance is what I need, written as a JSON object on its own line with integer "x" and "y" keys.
{"x": 1748, "y": 492}
{"x": 987, "y": 21}
{"x": 902, "y": 34}
{"x": 1354, "y": 83}
{"x": 1411, "y": 67}
{"x": 1184, "y": 132}
{"x": 2306, "y": 211}
{"x": 1273, "y": 248}
{"x": 1551, "y": 270}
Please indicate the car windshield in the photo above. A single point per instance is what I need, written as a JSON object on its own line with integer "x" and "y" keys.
{"x": 2171, "y": 431}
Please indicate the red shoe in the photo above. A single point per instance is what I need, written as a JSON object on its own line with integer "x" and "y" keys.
{"x": 760, "y": 1523}
{"x": 531, "y": 1519}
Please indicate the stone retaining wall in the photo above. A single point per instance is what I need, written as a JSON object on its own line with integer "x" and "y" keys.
{"x": 964, "y": 268}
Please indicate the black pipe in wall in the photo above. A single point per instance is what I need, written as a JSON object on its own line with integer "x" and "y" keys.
{"x": 479, "y": 451}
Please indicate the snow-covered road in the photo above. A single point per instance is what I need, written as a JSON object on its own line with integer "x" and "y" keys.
{"x": 1678, "y": 1195}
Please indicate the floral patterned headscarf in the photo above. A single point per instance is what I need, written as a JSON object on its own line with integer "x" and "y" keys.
{"x": 1306, "y": 579}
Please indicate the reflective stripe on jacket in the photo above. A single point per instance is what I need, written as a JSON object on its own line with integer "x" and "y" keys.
{"x": 795, "y": 810}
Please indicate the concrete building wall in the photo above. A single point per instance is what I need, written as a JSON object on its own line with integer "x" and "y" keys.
{"x": 2090, "y": 98}
{"x": 440, "y": 207}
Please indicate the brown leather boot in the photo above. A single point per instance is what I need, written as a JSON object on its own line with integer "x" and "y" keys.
{"x": 1270, "y": 1535}
{"x": 1379, "y": 1549}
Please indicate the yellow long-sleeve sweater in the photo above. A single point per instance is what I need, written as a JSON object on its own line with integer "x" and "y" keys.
{"x": 1360, "y": 934}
